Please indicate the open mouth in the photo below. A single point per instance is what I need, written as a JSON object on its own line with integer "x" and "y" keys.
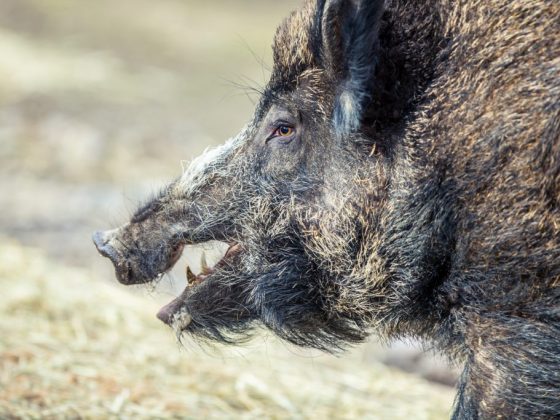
{"x": 174, "y": 313}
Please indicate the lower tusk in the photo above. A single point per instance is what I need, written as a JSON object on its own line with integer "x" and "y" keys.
{"x": 204, "y": 264}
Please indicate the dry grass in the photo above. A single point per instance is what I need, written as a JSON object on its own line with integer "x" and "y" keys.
{"x": 75, "y": 347}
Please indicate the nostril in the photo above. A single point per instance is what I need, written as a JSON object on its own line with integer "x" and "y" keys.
{"x": 124, "y": 273}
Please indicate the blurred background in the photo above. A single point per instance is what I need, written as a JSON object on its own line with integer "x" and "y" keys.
{"x": 101, "y": 103}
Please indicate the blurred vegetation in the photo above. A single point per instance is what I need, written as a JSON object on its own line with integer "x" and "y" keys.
{"x": 134, "y": 83}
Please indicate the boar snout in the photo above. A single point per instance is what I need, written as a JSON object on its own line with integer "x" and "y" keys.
{"x": 104, "y": 243}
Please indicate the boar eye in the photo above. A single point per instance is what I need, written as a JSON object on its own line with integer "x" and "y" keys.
{"x": 282, "y": 131}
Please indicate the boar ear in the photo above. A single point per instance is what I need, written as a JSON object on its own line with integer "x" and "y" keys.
{"x": 349, "y": 30}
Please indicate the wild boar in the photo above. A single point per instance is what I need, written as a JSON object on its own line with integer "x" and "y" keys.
{"x": 400, "y": 176}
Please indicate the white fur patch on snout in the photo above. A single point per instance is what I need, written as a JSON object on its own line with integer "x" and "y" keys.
{"x": 210, "y": 161}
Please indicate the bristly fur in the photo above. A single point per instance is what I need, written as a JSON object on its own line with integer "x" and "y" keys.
{"x": 416, "y": 194}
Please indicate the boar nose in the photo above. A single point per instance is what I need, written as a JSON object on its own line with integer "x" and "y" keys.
{"x": 102, "y": 241}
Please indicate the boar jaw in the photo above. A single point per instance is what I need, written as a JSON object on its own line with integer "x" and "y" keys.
{"x": 174, "y": 313}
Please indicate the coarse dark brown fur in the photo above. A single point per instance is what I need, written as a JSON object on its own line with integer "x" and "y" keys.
{"x": 401, "y": 176}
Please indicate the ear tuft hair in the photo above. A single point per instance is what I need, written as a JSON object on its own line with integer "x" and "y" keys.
{"x": 347, "y": 112}
{"x": 349, "y": 32}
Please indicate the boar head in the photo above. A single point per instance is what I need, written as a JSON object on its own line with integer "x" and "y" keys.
{"x": 297, "y": 195}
